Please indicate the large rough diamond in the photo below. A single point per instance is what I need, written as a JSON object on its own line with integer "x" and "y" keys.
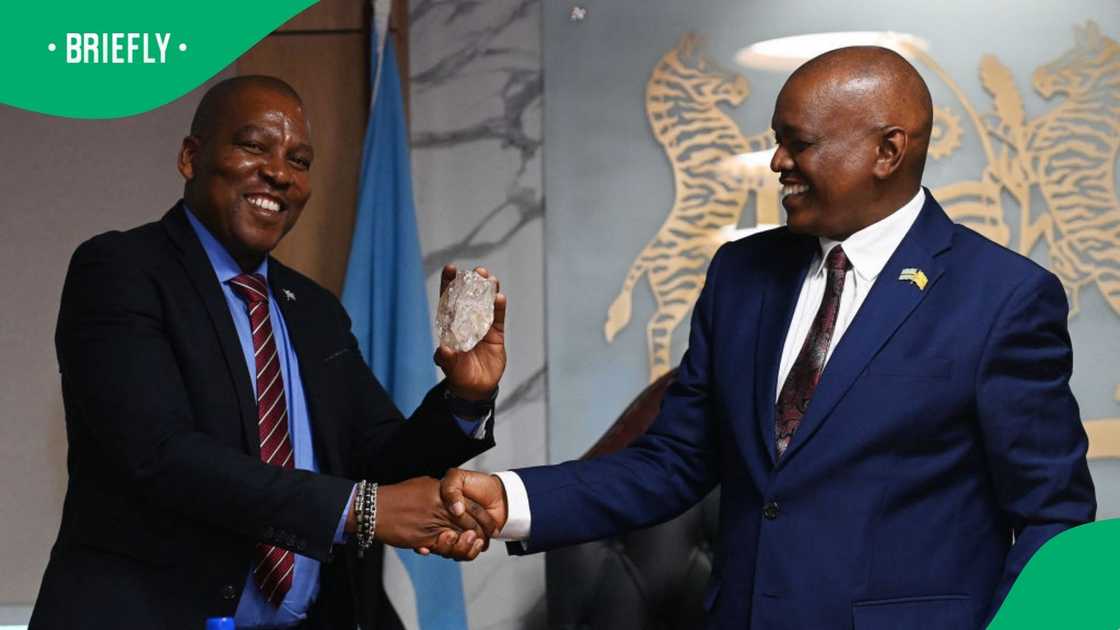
{"x": 466, "y": 311}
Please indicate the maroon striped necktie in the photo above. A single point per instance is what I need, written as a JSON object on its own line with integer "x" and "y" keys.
{"x": 273, "y": 566}
{"x": 803, "y": 377}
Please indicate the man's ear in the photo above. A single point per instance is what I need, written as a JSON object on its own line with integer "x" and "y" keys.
{"x": 892, "y": 149}
{"x": 187, "y": 154}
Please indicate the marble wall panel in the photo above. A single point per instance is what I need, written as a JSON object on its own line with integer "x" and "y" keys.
{"x": 476, "y": 86}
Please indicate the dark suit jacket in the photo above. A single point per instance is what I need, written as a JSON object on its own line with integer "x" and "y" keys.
{"x": 167, "y": 495}
{"x": 943, "y": 425}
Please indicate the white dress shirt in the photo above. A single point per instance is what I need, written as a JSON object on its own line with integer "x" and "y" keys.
{"x": 868, "y": 251}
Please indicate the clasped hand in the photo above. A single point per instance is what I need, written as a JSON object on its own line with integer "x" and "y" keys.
{"x": 454, "y": 518}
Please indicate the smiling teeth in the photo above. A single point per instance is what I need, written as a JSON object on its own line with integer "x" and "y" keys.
{"x": 795, "y": 189}
{"x": 264, "y": 203}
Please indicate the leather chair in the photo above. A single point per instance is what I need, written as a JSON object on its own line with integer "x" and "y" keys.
{"x": 650, "y": 579}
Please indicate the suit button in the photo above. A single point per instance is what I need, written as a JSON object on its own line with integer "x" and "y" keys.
{"x": 770, "y": 510}
{"x": 229, "y": 592}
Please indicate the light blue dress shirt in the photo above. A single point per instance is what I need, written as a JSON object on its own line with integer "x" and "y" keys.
{"x": 254, "y": 611}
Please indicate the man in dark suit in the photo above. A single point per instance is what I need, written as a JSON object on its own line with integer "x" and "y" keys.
{"x": 219, "y": 413}
{"x": 883, "y": 395}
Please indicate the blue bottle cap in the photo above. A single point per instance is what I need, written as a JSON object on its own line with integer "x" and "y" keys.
{"x": 220, "y": 623}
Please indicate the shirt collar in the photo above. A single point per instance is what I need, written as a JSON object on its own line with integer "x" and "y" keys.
{"x": 869, "y": 249}
{"x": 225, "y": 267}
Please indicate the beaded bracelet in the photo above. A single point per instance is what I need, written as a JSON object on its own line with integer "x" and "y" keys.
{"x": 366, "y": 506}
{"x": 359, "y": 497}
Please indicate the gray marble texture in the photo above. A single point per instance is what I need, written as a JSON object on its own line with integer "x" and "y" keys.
{"x": 476, "y": 87}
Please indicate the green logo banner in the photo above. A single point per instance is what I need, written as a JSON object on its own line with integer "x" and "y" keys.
{"x": 1069, "y": 583}
{"x": 111, "y": 59}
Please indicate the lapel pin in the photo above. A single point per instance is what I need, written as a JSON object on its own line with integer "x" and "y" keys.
{"x": 292, "y": 296}
{"x": 916, "y": 276}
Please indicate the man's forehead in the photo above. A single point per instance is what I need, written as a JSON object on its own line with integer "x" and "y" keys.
{"x": 789, "y": 108}
{"x": 823, "y": 93}
{"x": 815, "y": 86}
{"x": 262, "y": 107}
{"x": 261, "y": 99}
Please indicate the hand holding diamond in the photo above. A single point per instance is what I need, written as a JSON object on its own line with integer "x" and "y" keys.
{"x": 471, "y": 322}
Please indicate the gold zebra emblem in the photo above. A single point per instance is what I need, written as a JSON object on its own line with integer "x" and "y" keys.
{"x": 683, "y": 99}
{"x": 1067, "y": 157}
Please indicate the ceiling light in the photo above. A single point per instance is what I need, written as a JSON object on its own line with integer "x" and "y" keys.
{"x": 787, "y": 53}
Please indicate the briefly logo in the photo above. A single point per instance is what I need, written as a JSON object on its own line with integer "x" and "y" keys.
{"x": 117, "y": 48}
{"x": 916, "y": 276}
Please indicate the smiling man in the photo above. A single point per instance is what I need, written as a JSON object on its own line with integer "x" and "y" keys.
{"x": 882, "y": 395}
{"x": 248, "y": 172}
{"x": 224, "y": 432}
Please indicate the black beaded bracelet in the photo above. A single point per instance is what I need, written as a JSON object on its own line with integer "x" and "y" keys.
{"x": 366, "y": 506}
{"x": 359, "y": 499}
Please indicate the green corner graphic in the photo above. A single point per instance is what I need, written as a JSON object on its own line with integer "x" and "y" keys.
{"x": 1069, "y": 583}
{"x": 113, "y": 59}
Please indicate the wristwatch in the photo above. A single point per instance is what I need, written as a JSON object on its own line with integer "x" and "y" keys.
{"x": 469, "y": 409}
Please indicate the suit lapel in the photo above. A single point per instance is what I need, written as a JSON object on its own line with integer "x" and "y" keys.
{"x": 781, "y": 291}
{"x": 201, "y": 274}
{"x": 303, "y": 320}
{"x": 887, "y": 306}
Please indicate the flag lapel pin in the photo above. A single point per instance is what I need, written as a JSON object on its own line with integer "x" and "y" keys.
{"x": 916, "y": 276}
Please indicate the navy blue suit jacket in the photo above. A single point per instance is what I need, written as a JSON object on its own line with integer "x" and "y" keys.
{"x": 943, "y": 429}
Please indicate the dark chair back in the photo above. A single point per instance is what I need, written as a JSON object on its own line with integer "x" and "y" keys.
{"x": 650, "y": 579}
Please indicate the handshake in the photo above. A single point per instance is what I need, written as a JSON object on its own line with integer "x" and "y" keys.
{"x": 454, "y": 518}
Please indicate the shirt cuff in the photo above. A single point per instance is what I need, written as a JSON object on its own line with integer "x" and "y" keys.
{"x": 340, "y": 536}
{"x": 476, "y": 428}
{"x": 518, "y": 518}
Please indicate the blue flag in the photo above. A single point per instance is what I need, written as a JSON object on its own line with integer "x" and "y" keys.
{"x": 385, "y": 296}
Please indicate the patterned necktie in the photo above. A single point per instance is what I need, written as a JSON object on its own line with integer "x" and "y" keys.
{"x": 803, "y": 377}
{"x": 273, "y": 566}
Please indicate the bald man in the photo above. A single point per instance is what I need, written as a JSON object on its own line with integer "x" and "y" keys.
{"x": 219, "y": 413}
{"x": 883, "y": 395}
